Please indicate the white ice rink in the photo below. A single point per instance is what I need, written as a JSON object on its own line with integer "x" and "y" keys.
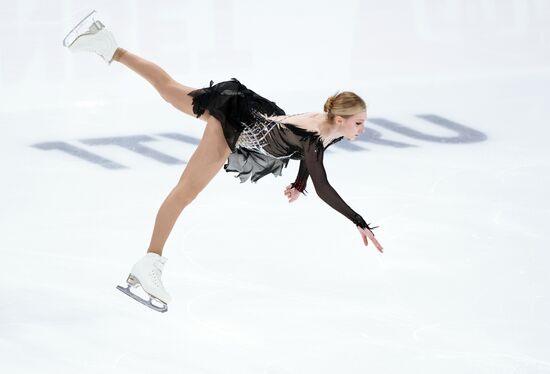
{"x": 454, "y": 167}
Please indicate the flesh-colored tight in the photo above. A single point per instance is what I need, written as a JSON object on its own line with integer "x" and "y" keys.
{"x": 204, "y": 164}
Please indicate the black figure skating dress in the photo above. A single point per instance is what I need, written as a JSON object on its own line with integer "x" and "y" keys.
{"x": 261, "y": 146}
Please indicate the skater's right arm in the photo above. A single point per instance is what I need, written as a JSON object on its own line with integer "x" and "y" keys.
{"x": 301, "y": 178}
{"x": 299, "y": 186}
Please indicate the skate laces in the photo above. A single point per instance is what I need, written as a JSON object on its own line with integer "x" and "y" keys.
{"x": 156, "y": 272}
{"x": 159, "y": 265}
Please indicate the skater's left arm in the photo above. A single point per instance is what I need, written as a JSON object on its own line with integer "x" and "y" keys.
{"x": 313, "y": 157}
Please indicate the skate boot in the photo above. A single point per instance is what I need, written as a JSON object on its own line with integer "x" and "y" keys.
{"x": 147, "y": 273}
{"x": 90, "y": 35}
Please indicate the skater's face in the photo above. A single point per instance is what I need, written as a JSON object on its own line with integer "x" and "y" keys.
{"x": 353, "y": 126}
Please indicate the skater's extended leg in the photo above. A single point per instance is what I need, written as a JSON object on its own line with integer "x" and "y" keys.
{"x": 172, "y": 91}
{"x": 203, "y": 165}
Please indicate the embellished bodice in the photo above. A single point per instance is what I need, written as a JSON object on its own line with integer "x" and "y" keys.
{"x": 276, "y": 139}
{"x": 259, "y": 136}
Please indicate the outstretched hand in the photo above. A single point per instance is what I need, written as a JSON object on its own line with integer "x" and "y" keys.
{"x": 291, "y": 193}
{"x": 367, "y": 234}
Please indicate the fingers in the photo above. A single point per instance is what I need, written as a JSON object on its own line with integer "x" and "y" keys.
{"x": 291, "y": 194}
{"x": 363, "y": 236}
{"x": 377, "y": 245}
{"x": 366, "y": 233}
{"x": 288, "y": 191}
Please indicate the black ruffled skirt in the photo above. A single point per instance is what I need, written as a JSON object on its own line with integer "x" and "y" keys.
{"x": 233, "y": 104}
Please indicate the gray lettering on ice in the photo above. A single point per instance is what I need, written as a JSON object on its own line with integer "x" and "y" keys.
{"x": 133, "y": 143}
{"x": 181, "y": 138}
{"x": 464, "y": 134}
{"x": 80, "y": 153}
{"x": 373, "y": 136}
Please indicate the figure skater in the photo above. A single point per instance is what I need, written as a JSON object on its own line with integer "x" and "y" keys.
{"x": 245, "y": 133}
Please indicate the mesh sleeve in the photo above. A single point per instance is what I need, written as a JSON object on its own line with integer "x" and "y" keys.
{"x": 301, "y": 178}
{"x": 313, "y": 158}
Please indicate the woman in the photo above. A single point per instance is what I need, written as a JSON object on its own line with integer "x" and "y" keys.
{"x": 251, "y": 133}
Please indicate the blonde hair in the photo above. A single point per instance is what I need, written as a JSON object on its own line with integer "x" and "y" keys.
{"x": 344, "y": 104}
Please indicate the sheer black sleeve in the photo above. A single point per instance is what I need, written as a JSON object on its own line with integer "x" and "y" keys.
{"x": 313, "y": 158}
{"x": 301, "y": 178}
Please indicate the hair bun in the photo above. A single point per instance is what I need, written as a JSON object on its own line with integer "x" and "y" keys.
{"x": 329, "y": 104}
{"x": 344, "y": 104}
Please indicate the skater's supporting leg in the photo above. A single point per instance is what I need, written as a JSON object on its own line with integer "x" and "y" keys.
{"x": 172, "y": 91}
{"x": 203, "y": 165}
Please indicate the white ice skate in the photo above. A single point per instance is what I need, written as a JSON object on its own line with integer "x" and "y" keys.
{"x": 147, "y": 273}
{"x": 90, "y": 35}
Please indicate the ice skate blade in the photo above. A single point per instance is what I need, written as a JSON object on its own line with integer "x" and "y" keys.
{"x": 149, "y": 303}
{"x": 66, "y": 39}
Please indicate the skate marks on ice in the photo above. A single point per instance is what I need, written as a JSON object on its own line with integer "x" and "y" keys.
{"x": 239, "y": 310}
{"x": 427, "y": 342}
{"x": 481, "y": 359}
{"x": 463, "y": 135}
